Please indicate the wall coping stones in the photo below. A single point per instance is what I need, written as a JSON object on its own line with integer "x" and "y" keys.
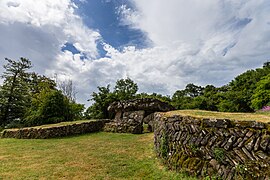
{"x": 214, "y": 122}
{"x": 146, "y": 104}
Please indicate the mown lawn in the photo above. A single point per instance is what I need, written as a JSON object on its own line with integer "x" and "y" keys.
{"x": 91, "y": 156}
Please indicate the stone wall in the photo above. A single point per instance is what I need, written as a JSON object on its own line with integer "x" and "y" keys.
{"x": 55, "y": 131}
{"x": 213, "y": 147}
{"x": 131, "y": 122}
{"x": 129, "y": 115}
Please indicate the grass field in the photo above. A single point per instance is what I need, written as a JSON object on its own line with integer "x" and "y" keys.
{"x": 258, "y": 116}
{"x": 91, "y": 156}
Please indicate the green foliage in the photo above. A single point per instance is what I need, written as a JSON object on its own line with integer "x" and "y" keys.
{"x": 234, "y": 101}
{"x": 54, "y": 106}
{"x": 164, "y": 145}
{"x": 125, "y": 89}
{"x": 242, "y": 89}
{"x": 241, "y": 169}
{"x": 76, "y": 111}
{"x": 102, "y": 99}
{"x": 193, "y": 91}
{"x": 261, "y": 96}
{"x": 155, "y": 96}
{"x": 219, "y": 154}
{"x": 14, "y": 93}
{"x": 30, "y": 99}
{"x": 50, "y": 107}
{"x": 194, "y": 148}
{"x": 196, "y": 97}
{"x": 214, "y": 177}
{"x": 243, "y": 94}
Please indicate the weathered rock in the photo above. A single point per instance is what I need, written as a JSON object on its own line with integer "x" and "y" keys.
{"x": 218, "y": 123}
{"x": 130, "y": 115}
{"x": 257, "y": 144}
{"x": 222, "y": 147}
{"x": 250, "y": 143}
{"x": 149, "y": 118}
{"x": 229, "y": 143}
{"x": 131, "y": 122}
{"x": 55, "y": 130}
{"x": 257, "y": 125}
{"x": 264, "y": 142}
{"x": 146, "y": 104}
{"x": 214, "y": 163}
{"x": 248, "y": 154}
{"x": 262, "y": 155}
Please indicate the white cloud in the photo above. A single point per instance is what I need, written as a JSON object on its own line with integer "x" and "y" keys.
{"x": 38, "y": 30}
{"x": 193, "y": 41}
{"x": 226, "y": 37}
{"x": 48, "y": 24}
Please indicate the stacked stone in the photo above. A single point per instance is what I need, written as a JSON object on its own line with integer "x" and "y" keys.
{"x": 214, "y": 147}
{"x": 55, "y": 131}
{"x": 131, "y": 122}
{"x": 130, "y": 115}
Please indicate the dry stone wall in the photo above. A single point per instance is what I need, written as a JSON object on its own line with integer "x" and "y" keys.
{"x": 213, "y": 147}
{"x": 130, "y": 115}
{"x": 55, "y": 131}
{"x": 131, "y": 122}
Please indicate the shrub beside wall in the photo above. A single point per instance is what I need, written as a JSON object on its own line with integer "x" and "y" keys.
{"x": 55, "y": 131}
{"x": 214, "y": 147}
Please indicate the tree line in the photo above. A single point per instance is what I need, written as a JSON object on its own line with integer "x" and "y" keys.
{"x": 28, "y": 98}
{"x": 248, "y": 92}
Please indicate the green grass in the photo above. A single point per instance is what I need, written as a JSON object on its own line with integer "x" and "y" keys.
{"x": 92, "y": 156}
{"x": 57, "y": 124}
{"x": 258, "y": 116}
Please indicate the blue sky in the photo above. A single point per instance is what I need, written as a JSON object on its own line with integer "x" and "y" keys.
{"x": 103, "y": 16}
{"x": 161, "y": 45}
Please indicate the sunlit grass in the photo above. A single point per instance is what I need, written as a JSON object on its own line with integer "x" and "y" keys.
{"x": 92, "y": 156}
{"x": 258, "y": 116}
{"x": 57, "y": 124}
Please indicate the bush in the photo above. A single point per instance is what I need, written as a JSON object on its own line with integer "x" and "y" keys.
{"x": 52, "y": 107}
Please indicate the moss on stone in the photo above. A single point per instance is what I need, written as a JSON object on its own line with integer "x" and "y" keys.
{"x": 182, "y": 159}
{"x": 219, "y": 154}
{"x": 195, "y": 151}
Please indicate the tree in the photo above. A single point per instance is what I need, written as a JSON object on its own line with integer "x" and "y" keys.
{"x": 50, "y": 106}
{"x": 188, "y": 98}
{"x": 68, "y": 89}
{"x": 14, "y": 95}
{"x": 38, "y": 83}
{"x": 102, "y": 99}
{"x": 193, "y": 91}
{"x": 180, "y": 99}
{"x": 261, "y": 96}
{"x": 155, "y": 96}
{"x": 241, "y": 89}
{"x": 125, "y": 89}
{"x": 75, "y": 111}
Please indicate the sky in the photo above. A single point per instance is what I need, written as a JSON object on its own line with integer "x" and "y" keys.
{"x": 161, "y": 45}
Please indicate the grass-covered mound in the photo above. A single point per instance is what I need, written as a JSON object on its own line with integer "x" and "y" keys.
{"x": 91, "y": 156}
{"x": 55, "y": 130}
{"x": 258, "y": 116}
